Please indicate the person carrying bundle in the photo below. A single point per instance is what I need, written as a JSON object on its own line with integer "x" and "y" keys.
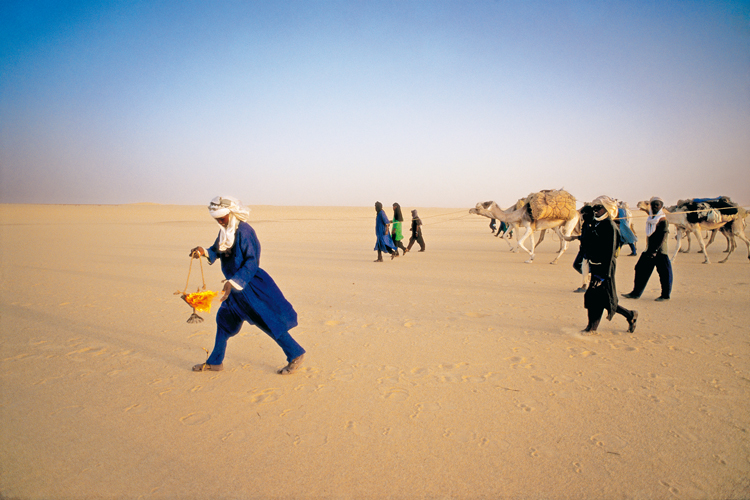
{"x": 249, "y": 294}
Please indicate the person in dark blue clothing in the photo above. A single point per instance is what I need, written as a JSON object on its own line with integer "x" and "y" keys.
{"x": 249, "y": 294}
{"x": 581, "y": 263}
{"x": 599, "y": 247}
{"x": 384, "y": 243}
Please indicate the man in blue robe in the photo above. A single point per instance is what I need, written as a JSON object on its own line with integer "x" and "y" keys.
{"x": 249, "y": 293}
{"x": 384, "y": 243}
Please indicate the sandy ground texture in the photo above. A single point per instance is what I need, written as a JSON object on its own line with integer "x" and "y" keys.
{"x": 459, "y": 372}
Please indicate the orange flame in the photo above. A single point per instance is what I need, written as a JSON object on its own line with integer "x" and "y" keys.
{"x": 201, "y": 301}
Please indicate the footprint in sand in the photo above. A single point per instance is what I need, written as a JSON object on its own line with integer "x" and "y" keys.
{"x": 396, "y": 394}
{"x": 136, "y": 409}
{"x": 332, "y": 322}
{"x": 575, "y": 352}
{"x": 542, "y": 452}
{"x": 460, "y": 435}
{"x": 531, "y": 405}
{"x": 292, "y": 414}
{"x": 343, "y": 375}
{"x": 609, "y": 442}
{"x": 310, "y": 440}
{"x": 425, "y": 407}
{"x": 265, "y": 396}
{"x": 195, "y": 418}
{"x": 519, "y": 362}
{"x": 415, "y": 374}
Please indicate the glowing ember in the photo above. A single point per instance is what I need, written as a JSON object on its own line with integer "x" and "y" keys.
{"x": 201, "y": 301}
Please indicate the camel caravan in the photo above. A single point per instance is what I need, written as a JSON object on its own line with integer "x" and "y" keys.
{"x": 556, "y": 210}
{"x": 549, "y": 209}
{"x": 696, "y": 215}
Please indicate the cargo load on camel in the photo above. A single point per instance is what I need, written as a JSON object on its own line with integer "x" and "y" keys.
{"x": 552, "y": 204}
{"x": 711, "y": 210}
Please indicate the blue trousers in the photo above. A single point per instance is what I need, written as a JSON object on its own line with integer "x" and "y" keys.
{"x": 645, "y": 267}
{"x": 229, "y": 321}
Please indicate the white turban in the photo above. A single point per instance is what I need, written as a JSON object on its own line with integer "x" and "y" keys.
{"x": 226, "y": 205}
{"x": 609, "y": 205}
{"x": 654, "y": 218}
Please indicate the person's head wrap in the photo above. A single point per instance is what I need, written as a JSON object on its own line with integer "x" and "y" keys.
{"x": 587, "y": 214}
{"x": 397, "y": 213}
{"x": 414, "y": 214}
{"x": 378, "y": 206}
{"x": 609, "y": 205}
{"x": 654, "y": 218}
{"x": 226, "y": 205}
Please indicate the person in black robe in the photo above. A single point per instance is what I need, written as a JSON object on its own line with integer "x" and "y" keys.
{"x": 655, "y": 256}
{"x": 599, "y": 246}
{"x": 416, "y": 232}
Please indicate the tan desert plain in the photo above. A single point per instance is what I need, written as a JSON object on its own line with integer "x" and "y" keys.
{"x": 460, "y": 372}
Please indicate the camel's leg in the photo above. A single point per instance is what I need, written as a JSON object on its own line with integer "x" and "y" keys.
{"x": 541, "y": 238}
{"x": 711, "y": 238}
{"x": 563, "y": 245}
{"x": 678, "y": 238}
{"x": 730, "y": 253}
{"x": 699, "y": 237}
{"x": 564, "y": 232}
{"x": 728, "y": 233}
{"x": 687, "y": 236}
{"x": 528, "y": 234}
{"x": 507, "y": 239}
{"x": 514, "y": 248}
{"x": 740, "y": 233}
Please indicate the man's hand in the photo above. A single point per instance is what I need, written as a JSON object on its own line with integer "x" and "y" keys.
{"x": 197, "y": 252}
{"x": 226, "y": 291}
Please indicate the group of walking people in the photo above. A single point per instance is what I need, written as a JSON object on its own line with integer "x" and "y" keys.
{"x": 251, "y": 295}
{"x": 390, "y": 241}
{"x": 601, "y": 238}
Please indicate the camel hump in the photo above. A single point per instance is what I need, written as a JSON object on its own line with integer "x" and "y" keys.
{"x": 552, "y": 204}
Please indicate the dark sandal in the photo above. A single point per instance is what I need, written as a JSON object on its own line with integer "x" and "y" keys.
{"x": 631, "y": 323}
{"x": 292, "y": 366}
{"x": 205, "y": 367}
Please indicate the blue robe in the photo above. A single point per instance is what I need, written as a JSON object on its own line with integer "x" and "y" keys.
{"x": 626, "y": 234}
{"x": 384, "y": 242}
{"x": 260, "y": 302}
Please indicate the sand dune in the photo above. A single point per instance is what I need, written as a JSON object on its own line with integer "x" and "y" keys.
{"x": 460, "y": 372}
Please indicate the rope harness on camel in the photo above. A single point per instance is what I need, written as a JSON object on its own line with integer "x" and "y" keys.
{"x": 200, "y": 300}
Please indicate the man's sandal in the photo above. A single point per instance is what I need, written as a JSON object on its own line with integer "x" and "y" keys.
{"x": 292, "y": 366}
{"x": 205, "y": 367}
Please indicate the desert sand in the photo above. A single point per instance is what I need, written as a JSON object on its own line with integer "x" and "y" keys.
{"x": 460, "y": 372}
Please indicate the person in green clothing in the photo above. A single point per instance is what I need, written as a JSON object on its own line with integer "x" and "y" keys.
{"x": 396, "y": 233}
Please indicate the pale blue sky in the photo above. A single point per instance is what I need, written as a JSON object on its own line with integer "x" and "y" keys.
{"x": 427, "y": 103}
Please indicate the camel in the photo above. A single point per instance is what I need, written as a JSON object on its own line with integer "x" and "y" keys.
{"x": 523, "y": 217}
{"x": 512, "y": 228}
{"x": 727, "y": 231}
{"x": 680, "y": 216}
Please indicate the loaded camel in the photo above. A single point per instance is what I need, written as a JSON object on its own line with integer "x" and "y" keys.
{"x": 550, "y": 209}
{"x": 512, "y": 228}
{"x": 691, "y": 216}
{"x": 727, "y": 231}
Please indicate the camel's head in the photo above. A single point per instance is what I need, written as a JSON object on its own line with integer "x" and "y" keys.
{"x": 643, "y": 205}
{"x": 481, "y": 208}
